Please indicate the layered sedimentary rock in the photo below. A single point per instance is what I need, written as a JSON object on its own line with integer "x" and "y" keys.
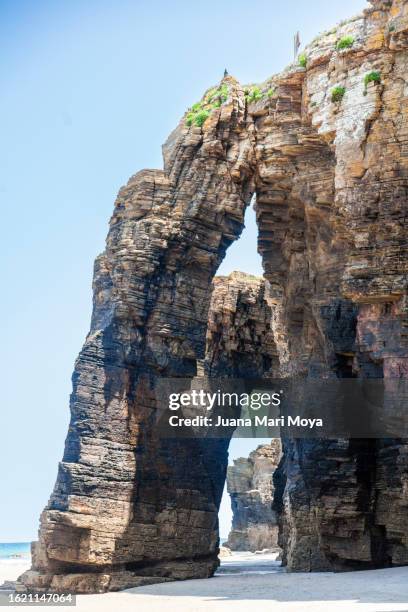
{"x": 325, "y": 149}
{"x": 250, "y": 486}
{"x": 127, "y": 503}
{"x": 240, "y": 343}
{"x": 240, "y": 340}
{"x": 335, "y": 253}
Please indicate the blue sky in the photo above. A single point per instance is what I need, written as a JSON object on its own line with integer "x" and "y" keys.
{"x": 90, "y": 91}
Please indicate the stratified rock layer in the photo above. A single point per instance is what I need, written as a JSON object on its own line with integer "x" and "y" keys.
{"x": 250, "y": 485}
{"x": 335, "y": 253}
{"x": 331, "y": 181}
{"x": 129, "y": 504}
{"x": 240, "y": 340}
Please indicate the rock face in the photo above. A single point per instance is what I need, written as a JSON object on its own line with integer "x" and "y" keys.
{"x": 335, "y": 254}
{"x": 240, "y": 340}
{"x": 325, "y": 150}
{"x": 250, "y": 485}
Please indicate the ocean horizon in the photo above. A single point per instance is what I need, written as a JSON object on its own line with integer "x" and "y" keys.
{"x": 15, "y": 550}
{"x": 22, "y": 550}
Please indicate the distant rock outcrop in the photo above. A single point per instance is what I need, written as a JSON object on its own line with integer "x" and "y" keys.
{"x": 240, "y": 340}
{"x": 250, "y": 485}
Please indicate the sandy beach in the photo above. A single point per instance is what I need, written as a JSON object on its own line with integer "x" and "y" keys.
{"x": 253, "y": 582}
{"x": 10, "y": 569}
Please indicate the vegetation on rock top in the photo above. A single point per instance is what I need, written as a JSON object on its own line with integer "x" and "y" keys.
{"x": 253, "y": 94}
{"x": 200, "y": 111}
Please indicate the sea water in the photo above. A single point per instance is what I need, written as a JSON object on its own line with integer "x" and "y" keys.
{"x": 15, "y": 550}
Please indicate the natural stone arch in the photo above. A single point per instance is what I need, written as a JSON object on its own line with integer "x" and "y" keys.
{"x": 331, "y": 221}
{"x": 127, "y": 503}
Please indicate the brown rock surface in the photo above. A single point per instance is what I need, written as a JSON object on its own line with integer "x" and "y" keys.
{"x": 240, "y": 340}
{"x": 331, "y": 181}
{"x": 128, "y": 504}
{"x": 250, "y": 485}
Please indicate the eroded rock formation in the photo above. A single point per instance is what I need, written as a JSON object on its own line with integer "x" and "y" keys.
{"x": 336, "y": 257}
{"x": 250, "y": 486}
{"x": 324, "y": 148}
{"x": 128, "y": 504}
{"x": 240, "y": 340}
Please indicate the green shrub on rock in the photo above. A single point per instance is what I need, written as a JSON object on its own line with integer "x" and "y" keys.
{"x": 372, "y": 77}
{"x": 302, "y": 60}
{"x": 345, "y": 43}
{"x": 201, "y": 117}
{"x": 253, "y": 94}
{"x": 220, "y": 94}
{"x": 337, "y": 93}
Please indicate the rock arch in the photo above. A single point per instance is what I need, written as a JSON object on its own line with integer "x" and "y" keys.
{"x": 125, "y": 500}
{"x": 331, "y": 186}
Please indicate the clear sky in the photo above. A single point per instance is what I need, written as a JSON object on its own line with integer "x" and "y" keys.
{"x": 90, "y": 90}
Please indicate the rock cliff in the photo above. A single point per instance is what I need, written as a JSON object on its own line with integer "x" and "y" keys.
{"x": 324, "y": 147}
{"x": 250, "y": 486}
